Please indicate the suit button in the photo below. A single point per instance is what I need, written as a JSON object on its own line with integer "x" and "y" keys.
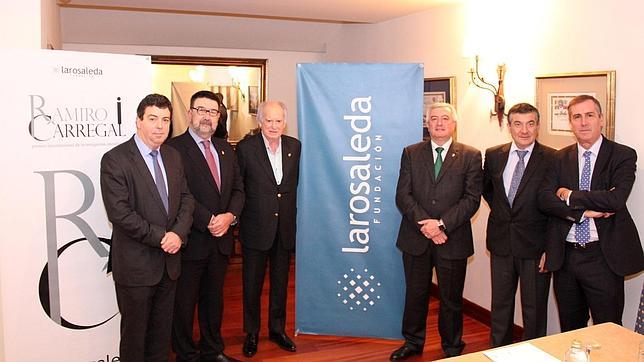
{"x": 279, "y": 195}
{"x": 277, "y": 214}
{"x": 433, "y": 202}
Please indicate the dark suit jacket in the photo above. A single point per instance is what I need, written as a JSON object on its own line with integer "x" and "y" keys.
{"x": 611, "y": 183}
{"x": 208, "y": 199}
{"x": 268, "y": 205}
{"x": 518, "y": 231}
{"x": 454, "y": 197}
{"x": 138, "y": 218}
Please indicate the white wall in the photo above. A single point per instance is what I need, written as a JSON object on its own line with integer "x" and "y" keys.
{"x": 280, "y": 67}
{"x": 533, "y": 38}
{"x": 20, "y": 24}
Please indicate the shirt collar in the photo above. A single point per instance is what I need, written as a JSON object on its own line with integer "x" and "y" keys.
{"x": 279, "y": 145}
{"x": 445, "y": 145}
{"x": 143, "y": 148}
{"x": 196, "y": 137}
{"x": 594, "y": 148}
{"x": 514, "y": 147}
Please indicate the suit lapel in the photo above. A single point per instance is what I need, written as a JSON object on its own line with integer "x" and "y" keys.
{"x": 571, "y": 162}
{"x": 287, "y": 158}
{"x": 144, "y": 173}
{"x": 262, "y": 157}
{"x": 531, "y": 167}
{"x": 428, "y": 159}
{"x": 451, "y": 157}
{"x": 173, "y": 180}
{"x": 195, "y": 155}
{"x": 504, "y": 155}
{"x": 605, "y": 150}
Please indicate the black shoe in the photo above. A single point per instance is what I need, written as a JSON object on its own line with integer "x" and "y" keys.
{"x": 283, "y": 341}
{"x": 403, "y": 352}
{"x": 221, "y": 357}
{"x": 250, "y": 344}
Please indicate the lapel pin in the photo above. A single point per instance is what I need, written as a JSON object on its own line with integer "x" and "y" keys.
{"x": 453, "y": 155}
{"x": 289, "y": 154}
{"x": 223, "y": 152}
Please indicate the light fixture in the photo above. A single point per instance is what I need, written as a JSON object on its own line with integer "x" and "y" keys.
{"x": 497, "y": 91}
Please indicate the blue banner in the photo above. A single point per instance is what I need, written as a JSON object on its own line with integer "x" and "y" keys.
{"x": 353, "y": 120}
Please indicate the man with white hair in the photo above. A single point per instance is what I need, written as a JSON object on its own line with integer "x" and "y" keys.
{"x": 269, "y": 164}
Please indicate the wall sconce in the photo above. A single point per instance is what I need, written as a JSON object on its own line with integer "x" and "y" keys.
{"x": 235, "y": 75}
{"x": 497, "y": 91}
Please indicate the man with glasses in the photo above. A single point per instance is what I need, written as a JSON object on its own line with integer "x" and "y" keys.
{"x": 516, "y": 229}
{"x": 214, "y": 180}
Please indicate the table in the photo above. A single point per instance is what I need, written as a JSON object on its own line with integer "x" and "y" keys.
{"x": 617, "y": 344}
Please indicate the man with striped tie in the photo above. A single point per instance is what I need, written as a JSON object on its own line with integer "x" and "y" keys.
{"x": 516, "y": 228}
{"x": 593, "y": 242}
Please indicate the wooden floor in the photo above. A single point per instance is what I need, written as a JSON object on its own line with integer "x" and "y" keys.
{"x": 327, "y": 348}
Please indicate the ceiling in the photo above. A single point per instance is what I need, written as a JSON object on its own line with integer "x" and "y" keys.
{"x": 327, "y": 11}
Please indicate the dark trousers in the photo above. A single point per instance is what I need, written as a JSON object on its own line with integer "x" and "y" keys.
{"x": 200, "y": 285}
{"x": 586, "y": 282}
{"x": 253, "y": 272}
{"x": 146, "y": 320}
{"x": 507, "y": 272}
{"x": 418, "y": 280}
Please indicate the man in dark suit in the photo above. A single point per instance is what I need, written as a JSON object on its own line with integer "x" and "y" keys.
{"x": 214, "y": 181}
{"x": 439, "y": 190}
{"x": 516, "y": 227}
{"x": 269, "y": 163}
{"x": 150, "y": 207}
{"x": 592, "y": 239}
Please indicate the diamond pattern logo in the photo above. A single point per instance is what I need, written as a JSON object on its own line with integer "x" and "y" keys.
{"x": 358, "y": 290}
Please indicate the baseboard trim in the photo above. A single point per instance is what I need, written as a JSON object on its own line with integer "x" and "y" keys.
{"x": 480, "y": 314}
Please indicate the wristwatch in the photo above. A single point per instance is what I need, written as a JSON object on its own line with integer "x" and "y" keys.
{"x": 234, "y": 220}
{"x": 441, "y": 225}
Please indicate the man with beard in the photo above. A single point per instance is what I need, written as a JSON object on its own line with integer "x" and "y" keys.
{"x": 214, "y": 180}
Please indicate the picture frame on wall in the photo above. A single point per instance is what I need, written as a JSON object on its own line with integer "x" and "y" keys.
{"x": 440, "y": 89}
{"x": 554, "y": 91}
{"x": 253, "y": 99}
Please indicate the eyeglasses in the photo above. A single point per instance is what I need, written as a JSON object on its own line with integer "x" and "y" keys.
{"x": 202, "y": 111}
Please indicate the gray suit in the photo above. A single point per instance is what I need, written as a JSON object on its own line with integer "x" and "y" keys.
{"x": 141, "y": 269}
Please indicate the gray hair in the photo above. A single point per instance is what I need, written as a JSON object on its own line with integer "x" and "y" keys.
{"x": 260, "y": 109}
{"x": 449, "y": 107}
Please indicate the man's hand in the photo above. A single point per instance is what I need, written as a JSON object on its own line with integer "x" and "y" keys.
{"x": 441, "y": 238}
{"x": 542, "y": 263}
{"x": 597, "y": 214}
{"x": 429, "y": 228}
{"x": 563, "y": 193}
{"x": 171, "y": 243}
{"x": 219, "y": 224}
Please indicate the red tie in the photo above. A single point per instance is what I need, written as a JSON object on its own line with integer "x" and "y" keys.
{"x": 210, "y": 159}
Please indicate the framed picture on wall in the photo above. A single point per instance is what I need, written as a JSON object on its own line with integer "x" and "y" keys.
{"x": 253, "y": 99}
{"x": 553, "y": 93}
{"x": 442, "y": 89}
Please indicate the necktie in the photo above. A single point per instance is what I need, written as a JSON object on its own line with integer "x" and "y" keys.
{"x": 516, "y": 176}
{"x": 582, "y": 231}
{"x": 438, "y": 163}
{"x": 158, "y": 179}
{"x": 210, "y": 159}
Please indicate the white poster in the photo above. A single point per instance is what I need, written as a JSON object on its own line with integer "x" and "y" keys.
{"x": 61, "y": 111}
